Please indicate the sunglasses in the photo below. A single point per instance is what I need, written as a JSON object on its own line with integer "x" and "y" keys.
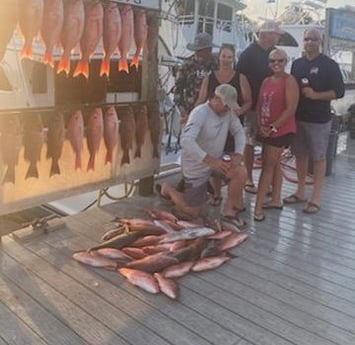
{"x": 312, "y": 39}
{"x": 276, "y": 60}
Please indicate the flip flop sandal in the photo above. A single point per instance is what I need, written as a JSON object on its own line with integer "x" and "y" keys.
{"x": 293, "y": 199}
{"x": 250, "y": 188}
{"x": 234, "y": 220}
{"x": 239, "y": 210}
{"x": 311, "y": 208}
{"x": 158, "y": 191}
{"x": 259, "y": 217}
{"x": 268, "y": 206}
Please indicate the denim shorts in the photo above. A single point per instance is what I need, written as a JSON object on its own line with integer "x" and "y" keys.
{"x": 311, "y": 139}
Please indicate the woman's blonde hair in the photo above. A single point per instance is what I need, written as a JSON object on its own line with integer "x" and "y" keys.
{"x": 280, "y": 52}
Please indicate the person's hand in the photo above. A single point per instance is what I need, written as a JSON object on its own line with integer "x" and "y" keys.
{"x": 308, "y": 92}
{"x": 264, "y": 131}
{"x": 219, "y": 165}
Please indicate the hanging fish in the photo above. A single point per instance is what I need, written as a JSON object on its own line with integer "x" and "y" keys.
{"x": 8, "y": 20}
{"x": 33, "y": 142}
{"x": 31, "y": 15}
{"x": 155, "y": 128}
{"x": 93, "y": 28}
{"x": 95, "y": 130}
{"x": 75, "y": 134}
{"x": 55, "y": 141}
{"x": 73, "y": 27}
{"x": 10, "y": 144}
{"x": 140, "y": 34}
{"x": 52, "y": 24}
{"x": 141, "y": 119}
{"x": 127, "y": 132}
{"x": 127, "y": 36}
{"x": 112, "y": 31}
{"x": 111, "y": 124}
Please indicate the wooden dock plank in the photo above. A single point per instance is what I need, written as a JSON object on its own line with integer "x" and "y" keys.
{"x": 36, "y": 316}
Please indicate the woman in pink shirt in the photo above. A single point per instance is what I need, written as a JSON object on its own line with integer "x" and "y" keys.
{"x": 277, "y": 104}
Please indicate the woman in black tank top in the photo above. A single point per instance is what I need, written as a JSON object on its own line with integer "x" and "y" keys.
{"x": 226, "y": 74}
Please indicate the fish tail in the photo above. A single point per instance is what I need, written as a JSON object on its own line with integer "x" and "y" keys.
{"x": 108, "y": 157}
{"x": 155, "y": 152}
{"x": 82, "y": 68}
{"x": 91, "y": 163}
{"x": 64, "y": 65}
{"x": 55, "y": 170}
{"x": 105, "y": 67}
{"x": 32, "y": 171}
{"x": 123, "y": 65}
{"x": 48, "y": 59}
{"x": 77, "y": 162}
{"x": 138, "y": 152}
{"x": 27, "y": 51}
{"x": 135, "y": 61}
{"x": 125, "y": 158}
{"x": 10, "y": 174}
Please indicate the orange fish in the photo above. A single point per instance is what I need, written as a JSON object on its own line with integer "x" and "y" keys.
{"x": 93, "y": 28}
{"x": 94, "y": 134}
{"x": 111, "y": 35}
{"x": 127, "y": 36}
{"x": 73, "y": 27}
{"x": 140, "y": 34}
{"x": 127, "y": 132}
{"x": 141, "y": 279}
{"x": 141, "y": 118}
{"x": 111, "y": 124}
{"x": 75, "y": 134}
{"x": 155, "y": 129}
{"x": 8, "y": 20}
{"x": 167, "y": 286}
{"x": 53, "y": 19}
{"x": 31, "y": 14}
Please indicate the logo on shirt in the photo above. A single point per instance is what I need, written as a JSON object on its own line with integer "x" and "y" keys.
{"x": 314, "y": 70}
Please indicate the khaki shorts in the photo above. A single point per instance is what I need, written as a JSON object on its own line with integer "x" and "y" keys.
{"x": 251, "y": 127}
{"x": 195, "y": 192}
{"x": 311, "y": 139}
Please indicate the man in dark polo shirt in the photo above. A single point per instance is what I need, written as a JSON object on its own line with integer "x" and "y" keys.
{"x": 254, "y": 64}
{"x": 320, "y": 81}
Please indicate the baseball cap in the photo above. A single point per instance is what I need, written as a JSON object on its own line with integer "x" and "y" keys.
{"x": 270, "y": 26}
{"x": 202, "y": 40}
{"x": 228, "y": 95}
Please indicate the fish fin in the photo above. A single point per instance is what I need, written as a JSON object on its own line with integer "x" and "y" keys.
{"x": 135, "y": 61}
{"x": 138, "y": 153}
{"x": 155, "y": 152}
{"x": 125, "y": 157}
{"x": 10, "y": 175}
{"x": 55, "y": 170}
{"x": 64, "y": 66}
{"x": 82, "y": 68}
{"x": 123, "y": 65}
{"x": 27, "y": 51}
{"x": 32, "y": 171}
{"x": 108, "y": 157}
{"x": 48, "y": 59}
{"x": 91, "y": 163}
{"x": 105, "y": 67}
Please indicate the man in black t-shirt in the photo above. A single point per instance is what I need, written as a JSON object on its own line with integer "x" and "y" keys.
{"x": 320, "y": 81}
{"x": 254, "y": 64}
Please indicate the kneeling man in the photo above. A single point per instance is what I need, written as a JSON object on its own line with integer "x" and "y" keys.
{"x": 202, "y": 143}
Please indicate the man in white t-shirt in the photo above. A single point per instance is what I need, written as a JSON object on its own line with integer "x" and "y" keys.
{"x": 202, "y": 143}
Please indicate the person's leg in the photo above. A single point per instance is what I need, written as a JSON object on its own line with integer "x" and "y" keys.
{"x": 270, "y": 159}
{"x": 249, "y": 164}
{"x": 216, "y": 197}
{"x": 276, "y": 185}
{"x": 319, "y": 169}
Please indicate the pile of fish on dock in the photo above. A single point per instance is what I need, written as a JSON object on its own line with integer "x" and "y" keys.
{"x": 153, "y": 253}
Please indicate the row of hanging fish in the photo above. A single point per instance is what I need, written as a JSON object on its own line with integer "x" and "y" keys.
{"x": 129, "y": 125}
{"x": 74, "y": 22}
{"x": 153, "y": 253}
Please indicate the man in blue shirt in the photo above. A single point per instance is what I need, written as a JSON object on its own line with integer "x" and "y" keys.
{"x": 320, "y": 81}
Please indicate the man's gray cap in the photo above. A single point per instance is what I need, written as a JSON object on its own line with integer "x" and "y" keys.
{"x": 202, "y": 40}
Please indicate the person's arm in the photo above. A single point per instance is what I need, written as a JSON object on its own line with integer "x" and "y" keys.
{"x": 292, "y": 98}
{"x": 179, "y": 91}
{"x": 237, "y": 130}
{"x": 202, "y": 96}
{"x": 246, "y": 94}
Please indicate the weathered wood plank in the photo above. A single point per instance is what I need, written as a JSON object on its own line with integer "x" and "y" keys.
{"x": 36, "y": 316}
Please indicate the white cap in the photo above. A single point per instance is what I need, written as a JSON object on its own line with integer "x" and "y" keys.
{"x": 271, "y": 26}
{"x": 228, "y": 95}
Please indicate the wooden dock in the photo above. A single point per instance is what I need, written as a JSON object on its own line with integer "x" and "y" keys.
{"x": 293, "y": 282}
